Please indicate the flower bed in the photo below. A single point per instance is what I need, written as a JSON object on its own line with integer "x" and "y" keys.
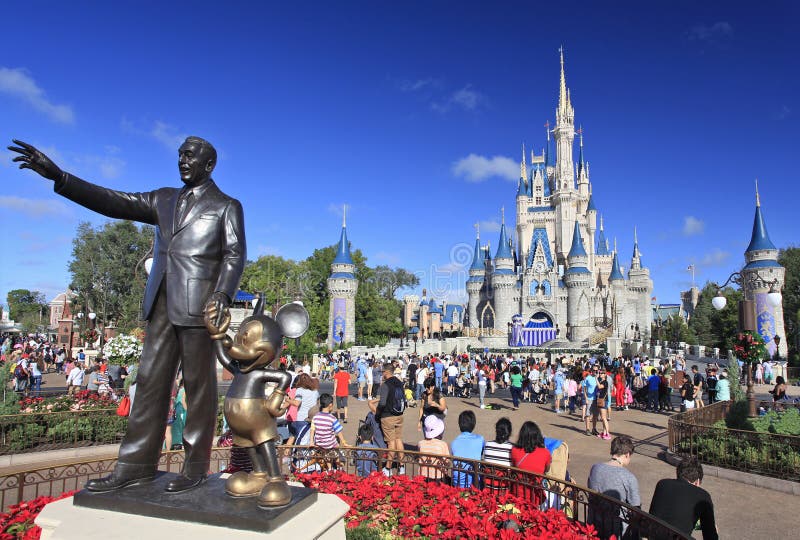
{"x": 17, "y": 523}
{"x": 403, "y": 507}
{"x": 83, "y": 400}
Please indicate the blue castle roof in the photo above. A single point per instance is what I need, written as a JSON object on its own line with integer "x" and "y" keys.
{"x": 616, "y": 273}
{"x": 540, "y": 233}
{"x": 577, "y": 249}
{"x": 602, "y": 245}
{"x": 503, "y": 250}
{"x": 759, "y": 240}
{"x": 477, "y": 260}
{"x": 591, "y": 207}
{"x": 343, "y": 252}
{"x": 433, "y": 307}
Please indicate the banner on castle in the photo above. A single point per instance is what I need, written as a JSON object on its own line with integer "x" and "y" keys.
{"x": 339, "y": 319}
{"x": 765, "y": 321}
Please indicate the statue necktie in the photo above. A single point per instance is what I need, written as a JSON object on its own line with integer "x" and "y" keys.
{"x": 184, "y": 205}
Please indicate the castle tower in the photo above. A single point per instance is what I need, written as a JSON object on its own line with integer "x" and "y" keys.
{"x": 616, "y": 282}
{"x": 578, "y": 280}
{"x": 477, "y": 273}
{"x": 760, "y": 273}
{"x": 504, "y": 280}
{"x": 565, "y": 197}
{"x": 342, "y": 288}
{"x": 641, "y": 286}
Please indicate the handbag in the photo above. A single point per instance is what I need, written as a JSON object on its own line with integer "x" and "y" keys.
{"x": 124, "y": 407}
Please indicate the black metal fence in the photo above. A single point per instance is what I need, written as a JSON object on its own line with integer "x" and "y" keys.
{"x": 693, "y": 433}
{"x": 34, "y": 432}
{"x": 608, "y": 515}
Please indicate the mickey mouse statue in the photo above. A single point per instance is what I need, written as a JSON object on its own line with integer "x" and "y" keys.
{"x": 251, "y": 415}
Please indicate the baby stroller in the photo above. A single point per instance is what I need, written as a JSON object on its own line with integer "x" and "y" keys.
{"x": 640, "y": 398}
{"x": 410, "y": 401}
{"x": 463, "y": 388}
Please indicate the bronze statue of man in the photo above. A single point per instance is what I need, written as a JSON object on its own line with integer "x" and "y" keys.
{"x": 199, "y": 257}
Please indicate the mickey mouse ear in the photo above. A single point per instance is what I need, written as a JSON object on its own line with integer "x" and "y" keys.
{"x": 293, "y": 319}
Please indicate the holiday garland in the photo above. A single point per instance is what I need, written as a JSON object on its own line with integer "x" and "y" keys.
{"x": 749, "y": 347}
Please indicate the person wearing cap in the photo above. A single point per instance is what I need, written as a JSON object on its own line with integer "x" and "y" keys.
{"x": 432, "y": 468}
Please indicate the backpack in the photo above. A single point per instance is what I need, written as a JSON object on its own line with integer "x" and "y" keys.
{"x": 19, "y": 372}
{"x": 396, "y": 404}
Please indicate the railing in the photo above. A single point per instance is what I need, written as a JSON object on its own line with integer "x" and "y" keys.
{"x": 53, "y": 481}
{"x": 608, "y": 515}
{"x": 33, "y": 432}
{"x": 693, "y": 433}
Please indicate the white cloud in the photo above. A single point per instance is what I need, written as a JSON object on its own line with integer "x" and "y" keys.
{"x": 19, "y": 83}
{"x": 693, "y": 226}
{"x": 465, "y": 98}
{"x": 419, "y": 84}
{"x": 711, "y": 33}
{"x": 477, "y": 168}
{"x": 716, "y": 257}
{"x": 490, "y": 226}
{"x": 34, "y": 207}
{"x": 337, "y": 209}
{"x": 456, "y": 296}
{"x": 167, "y": 135}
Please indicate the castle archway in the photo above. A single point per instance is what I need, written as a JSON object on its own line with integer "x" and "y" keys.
{"x": 487, "y": 317}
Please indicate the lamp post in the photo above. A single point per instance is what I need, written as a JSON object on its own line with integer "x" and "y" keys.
{"x": 341, "y": 339}
{"x": 747, "y": 322}
{"x": 777, "y": 355}
{"x": 415, "y": 343}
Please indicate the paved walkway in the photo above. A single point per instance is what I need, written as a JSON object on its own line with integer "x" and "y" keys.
{"x": 742, "y": 511}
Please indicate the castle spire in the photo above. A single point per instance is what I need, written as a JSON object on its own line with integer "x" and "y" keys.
{"x": 581, "y": 164}
{"x": 758, "y": 199}
{"x": 616, "y": 273}
{"x": 577, "y": 249}
{"x": 503, "y": 246}
{"x": 636, "y": 261}
{"x": 759, "y": 240}
{"x": 602, "y": 243}
{"x": 562, "y": 92}
{"x": 343, "y": 250}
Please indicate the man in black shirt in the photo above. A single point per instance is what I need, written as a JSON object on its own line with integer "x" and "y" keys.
{"x": 682, "y": 502}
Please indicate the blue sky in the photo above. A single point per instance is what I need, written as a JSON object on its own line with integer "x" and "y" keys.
{"x": 375, "y": 104}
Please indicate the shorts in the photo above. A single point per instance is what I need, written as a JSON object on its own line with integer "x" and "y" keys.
{"x": 361, "y": 383}
{"x": 392, "y": 427}
{"x": 341, "y": 402}
{"x": 591, "y": 406}
{"x": 451, "y": 380}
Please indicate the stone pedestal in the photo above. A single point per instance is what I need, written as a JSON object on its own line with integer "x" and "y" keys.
{"x": 200, "y": 514}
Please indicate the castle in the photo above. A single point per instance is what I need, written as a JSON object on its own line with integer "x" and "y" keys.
{"x": 557, "y": 279}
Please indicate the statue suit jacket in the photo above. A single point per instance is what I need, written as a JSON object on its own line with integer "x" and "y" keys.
{"x": 203, "y": 254}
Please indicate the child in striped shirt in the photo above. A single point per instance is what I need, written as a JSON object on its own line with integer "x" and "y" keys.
{"x": 326, "y": 431}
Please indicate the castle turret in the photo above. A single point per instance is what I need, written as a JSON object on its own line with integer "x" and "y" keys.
{"x": 342, "y": 288}
{"x": 760, "y": 274}
{"x": 477, "y": 273}
{"x": 578, "y": 280}
{"x": 640, "y": 286}
{"x": 504, "y": 280}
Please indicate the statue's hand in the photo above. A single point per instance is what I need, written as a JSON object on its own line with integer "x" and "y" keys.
{"x": 217, "y": 319}
{"x": 33, "y": 159}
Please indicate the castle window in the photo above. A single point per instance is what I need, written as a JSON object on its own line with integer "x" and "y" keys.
{"x": 538, "y": 200}
{"x": 538, "y": 189}
{"x": 546, "y": 287}
{"x": 534, "y": 287}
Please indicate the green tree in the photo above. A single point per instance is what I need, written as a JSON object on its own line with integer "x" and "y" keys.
{"x": 716, "y": 328}
{"x": 789, "y": 258}
{"x": 676, "y": 330}
{"x": 29, "y": 308}
{"x": 108, "y": 272}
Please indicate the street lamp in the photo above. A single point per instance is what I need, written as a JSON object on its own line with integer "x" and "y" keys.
{"x": 341, "y": 339}
{"x": 746, "y": 322}
{"x": 415, "y": 343}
